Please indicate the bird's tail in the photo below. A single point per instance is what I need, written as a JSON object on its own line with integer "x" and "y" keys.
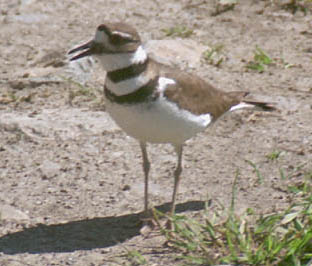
{"x": 264, "y": 106}
{"x": 241, "y": 102}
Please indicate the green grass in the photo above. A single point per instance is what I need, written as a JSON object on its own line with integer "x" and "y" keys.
{"x": 283, "y": 238}
{"x": 11, "y": 97}
{"x": 76, "y": 89}
{"x": 214, "y": 56}
{"x": 178, "y": 31}
{"x": 297, "y": 5}
{"x": 303, "y": 186}
{"x": 136, "y": 258}
{"x": 260, "y": 61}
{"x": 274, "y": 155}
{"x": 256, "y": 169}
{"x": 294, "y": 171}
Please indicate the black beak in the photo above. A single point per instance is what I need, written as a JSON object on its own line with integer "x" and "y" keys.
{"x": 88, "y": 47}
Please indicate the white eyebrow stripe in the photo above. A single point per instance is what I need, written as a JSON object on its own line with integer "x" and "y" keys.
{"x": 122, "y": 34}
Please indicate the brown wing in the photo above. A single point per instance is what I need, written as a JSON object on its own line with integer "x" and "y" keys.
{"x": 196, "y": 95}
{"x": 199, "y": 97}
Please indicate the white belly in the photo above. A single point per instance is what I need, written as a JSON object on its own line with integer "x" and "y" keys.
{"x": 159, "y": 121}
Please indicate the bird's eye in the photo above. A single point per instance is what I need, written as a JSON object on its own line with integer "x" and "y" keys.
{"x": 118, "y": 39}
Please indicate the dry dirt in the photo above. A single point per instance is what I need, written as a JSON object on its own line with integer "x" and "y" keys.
{"x": 71, "y": 182}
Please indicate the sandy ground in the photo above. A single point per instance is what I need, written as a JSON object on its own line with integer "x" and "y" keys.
{"x": 71, "y": 181}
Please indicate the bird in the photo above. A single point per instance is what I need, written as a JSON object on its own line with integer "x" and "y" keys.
{"x": 153, "y": 102}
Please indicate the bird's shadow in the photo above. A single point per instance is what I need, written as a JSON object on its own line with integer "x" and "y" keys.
{"x": 81, "y": 235}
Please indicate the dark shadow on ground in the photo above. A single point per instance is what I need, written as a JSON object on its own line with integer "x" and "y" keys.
{"x": 81, "y": 235}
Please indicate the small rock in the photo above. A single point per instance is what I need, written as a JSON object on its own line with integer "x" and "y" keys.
{"x": 6, "y": 100}
{"x": 171, "y": 52}
{"x": 49, "y": 169}
{"x": 17, "y": 84}
{"x": 126, "y": 187}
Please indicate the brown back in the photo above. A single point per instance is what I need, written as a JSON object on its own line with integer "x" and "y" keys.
{"x": 196, "y": 95}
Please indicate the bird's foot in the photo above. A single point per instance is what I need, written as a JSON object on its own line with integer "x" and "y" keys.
{"x": 149, "y": 226}
{"x": 169, "y": 225}
{"x": 155, "y": 225}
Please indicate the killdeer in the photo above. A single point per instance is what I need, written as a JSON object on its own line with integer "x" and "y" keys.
{"x": 153, "y": 102}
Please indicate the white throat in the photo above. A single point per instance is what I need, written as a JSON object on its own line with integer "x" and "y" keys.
{"x": 116, "y": 61}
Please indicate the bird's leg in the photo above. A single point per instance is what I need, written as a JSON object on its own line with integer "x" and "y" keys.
{"x": 177, "y": 174}
{"x": 148, "y": 222}
{"x": 146, "y": 168}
